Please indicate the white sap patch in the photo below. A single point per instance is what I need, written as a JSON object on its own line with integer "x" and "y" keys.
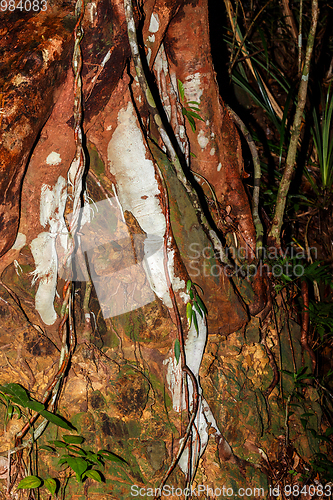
{"x": 19, "y": 242}
{"x": 154, "y": 23}
{"x": 212, "y": 152}
{"x": 138, "y": 192}
{"x": 195, "y": 345}
{"x": 174, "y": 380}
{"x": 148, "y": 55}
{"x": 43, "y": 248}
{"x": 219, "y": 166}
{"x": 53, "y": 158}
{"x": 151, "y": 38}
{"x": 192, "y": 87}
{"x": 202, "y": 140}
{"x": 45, "y": 256}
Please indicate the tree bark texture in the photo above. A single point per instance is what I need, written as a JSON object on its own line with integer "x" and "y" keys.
{"x": 125, "y": 390}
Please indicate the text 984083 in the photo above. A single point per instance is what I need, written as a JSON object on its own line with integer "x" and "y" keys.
{"x": 23, "y": 5}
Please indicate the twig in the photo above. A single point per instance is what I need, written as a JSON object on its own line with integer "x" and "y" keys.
{"x": 305, "y": 324}
{"x": 257, "y": 180}
{"x": 241, "y": 45}
{"x": 310, "y": 259}
{"x": 188, "y": 430}
{"x": 275, "y": 232}
{"x": 275, "y": 106}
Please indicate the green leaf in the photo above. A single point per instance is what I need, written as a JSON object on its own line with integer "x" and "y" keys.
{"x": 192, "y": 154}
{"x": 29, "y": 482}
{"x": 304, "y": 423}
{"x": 17, "y": 410}
{"x": 59, "y": 444}
{"x": 108, "y": 455}
{"x": 191, "y": 294}
{"x": 35, "y": 406}
{"x": 94, "y": 457}
{"x": 195, "y": 115}
{"x": 196, "y": 306}
{"x": 202, "y": 305}
{"x": 195, "y": 322}
{"x": 188, "y": 286}
{"x": 17, "y": 393}
{"x": 78, "y": 464}
{"x": 77, "y": 449}
{"x": 94, "y": 474}
{"x": 181, "y": 89}
{"x": 194, "y": 102}
{"x": 63, "y": 460}
{"x": 72, "y": 439}
{"x": 177, "y": 350}
{"x": 189, "y": 313}
{"x": 57, "y": 420}
{"x": 9, "y": 412}
{"x": 51, "y": 485}
{"x": 190, "y": 119}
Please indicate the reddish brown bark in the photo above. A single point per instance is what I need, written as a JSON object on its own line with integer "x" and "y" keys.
{"x": 29, "y": 93}
{"x": 215, "y": 142}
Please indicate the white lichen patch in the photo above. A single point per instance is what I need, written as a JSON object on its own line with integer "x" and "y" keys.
{"x": 43, "y": 248}
{"x": 202, "y": 139}
{"x": 219, "y": 166}
{"x": 212, "y": 152}
{"x": 174, "y": 381}
{"x": 154, "y": 24}
{"x": 19, "y": 242}
{"x": 148, "y": 55}
{"x": 138, "y": 193}
{"x": 53, "y": 158}
{"x": 151, "y": 38}
{"x": 193, "y": 88}
{"x": 45, "y": 257}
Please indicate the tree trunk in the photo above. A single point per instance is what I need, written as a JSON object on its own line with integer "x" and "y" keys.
{"x": 109, "y": 249}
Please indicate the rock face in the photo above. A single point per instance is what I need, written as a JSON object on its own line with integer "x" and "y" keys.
{"x": 124, "y": 389}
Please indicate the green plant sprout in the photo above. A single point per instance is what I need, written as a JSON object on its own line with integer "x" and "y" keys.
{"x": 15, "y": 393}
{"x": 191, "y": 112}
{"x": 79, "y": 460}
{"x": 321, "y": 133}
{"x": 193, "y": 307}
